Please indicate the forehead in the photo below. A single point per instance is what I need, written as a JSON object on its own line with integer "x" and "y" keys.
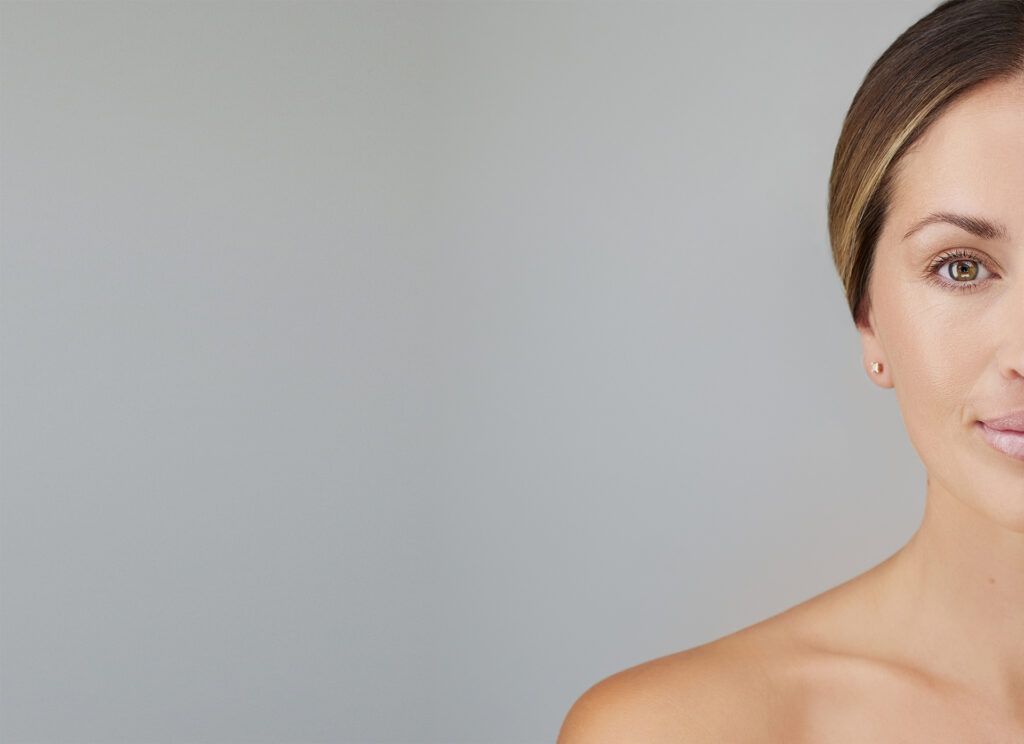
{"x": 970, "y": 159}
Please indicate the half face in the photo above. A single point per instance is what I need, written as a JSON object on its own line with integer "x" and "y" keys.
{"x": 947, "y": 296}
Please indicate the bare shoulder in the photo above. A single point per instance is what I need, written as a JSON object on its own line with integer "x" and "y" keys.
{"x": 734, "y": 689}
{"x": 814, "y": 667}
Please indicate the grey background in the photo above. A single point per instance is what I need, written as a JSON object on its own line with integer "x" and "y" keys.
{"x": 392, "y": 372}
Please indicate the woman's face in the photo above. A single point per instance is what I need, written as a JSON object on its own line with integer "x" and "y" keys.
{"x": 954, "y": 357}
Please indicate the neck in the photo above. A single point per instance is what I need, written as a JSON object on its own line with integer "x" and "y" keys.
{"x": 957, "y": 588}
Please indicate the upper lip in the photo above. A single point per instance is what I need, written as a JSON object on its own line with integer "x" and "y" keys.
{"x": 1012, "y": 421}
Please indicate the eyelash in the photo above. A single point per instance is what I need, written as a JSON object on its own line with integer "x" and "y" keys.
{"x": 955, "y": 255}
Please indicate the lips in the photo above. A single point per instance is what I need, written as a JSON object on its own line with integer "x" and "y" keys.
{"x": 1008, "y": 442}
{"x": 1013, "y": 421}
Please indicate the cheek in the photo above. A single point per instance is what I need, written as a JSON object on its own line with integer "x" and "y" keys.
{"x": 938, "y": 374}
{"x": 936, "y": 365}
{"x": 938, "y": 344}
{"x": 941, "y": 351}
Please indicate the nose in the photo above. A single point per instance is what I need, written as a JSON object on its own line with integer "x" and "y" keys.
{"x": 1010, "y": 355}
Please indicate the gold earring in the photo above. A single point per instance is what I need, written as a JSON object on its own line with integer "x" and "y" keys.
{"x": 876, "y": 367}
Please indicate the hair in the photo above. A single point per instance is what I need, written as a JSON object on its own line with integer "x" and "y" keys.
{"x": 956, "y": 47}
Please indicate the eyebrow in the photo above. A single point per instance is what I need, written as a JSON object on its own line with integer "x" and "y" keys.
{"x": 983, "y": 228}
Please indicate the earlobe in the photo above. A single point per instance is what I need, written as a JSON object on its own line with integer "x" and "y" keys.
{"x": 873, "y": 353}
{"x": 872, "y": 358}
{"x": 877, "y": 374}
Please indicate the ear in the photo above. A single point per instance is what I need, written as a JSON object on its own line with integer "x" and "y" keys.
{"x": 872, "y": 351}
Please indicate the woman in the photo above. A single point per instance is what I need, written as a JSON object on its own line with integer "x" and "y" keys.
{"x": 926, "y": 221}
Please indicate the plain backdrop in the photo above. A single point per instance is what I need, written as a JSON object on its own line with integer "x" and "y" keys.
{"x": 394, "y": 371}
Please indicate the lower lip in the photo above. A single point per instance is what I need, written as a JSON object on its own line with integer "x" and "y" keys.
{"x": 1008, "y": 442}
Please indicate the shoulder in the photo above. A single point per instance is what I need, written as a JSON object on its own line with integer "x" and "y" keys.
{"x": 734, "y": 689}
{"x": 768, "y": 682}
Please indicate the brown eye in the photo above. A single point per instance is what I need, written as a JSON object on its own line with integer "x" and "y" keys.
{"x": 958, "y": 271}
{"x": 963, "y": 270}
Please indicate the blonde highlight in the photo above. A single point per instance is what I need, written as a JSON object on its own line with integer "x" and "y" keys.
{"x": 957, "y": 46}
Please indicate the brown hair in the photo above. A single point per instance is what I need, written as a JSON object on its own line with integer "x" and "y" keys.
{"x": 958, "y": 45}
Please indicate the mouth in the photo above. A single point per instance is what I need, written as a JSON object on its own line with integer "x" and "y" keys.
{"x": 1009, "y": 442}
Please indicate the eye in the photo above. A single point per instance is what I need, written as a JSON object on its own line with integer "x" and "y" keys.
{"x": 960, "y": 270}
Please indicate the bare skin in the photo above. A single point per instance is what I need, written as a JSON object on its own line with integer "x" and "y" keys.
{"x": 927, "y": 646}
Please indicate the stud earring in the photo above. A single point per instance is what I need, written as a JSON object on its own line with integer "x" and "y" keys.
{"x": 876, "y": 367}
